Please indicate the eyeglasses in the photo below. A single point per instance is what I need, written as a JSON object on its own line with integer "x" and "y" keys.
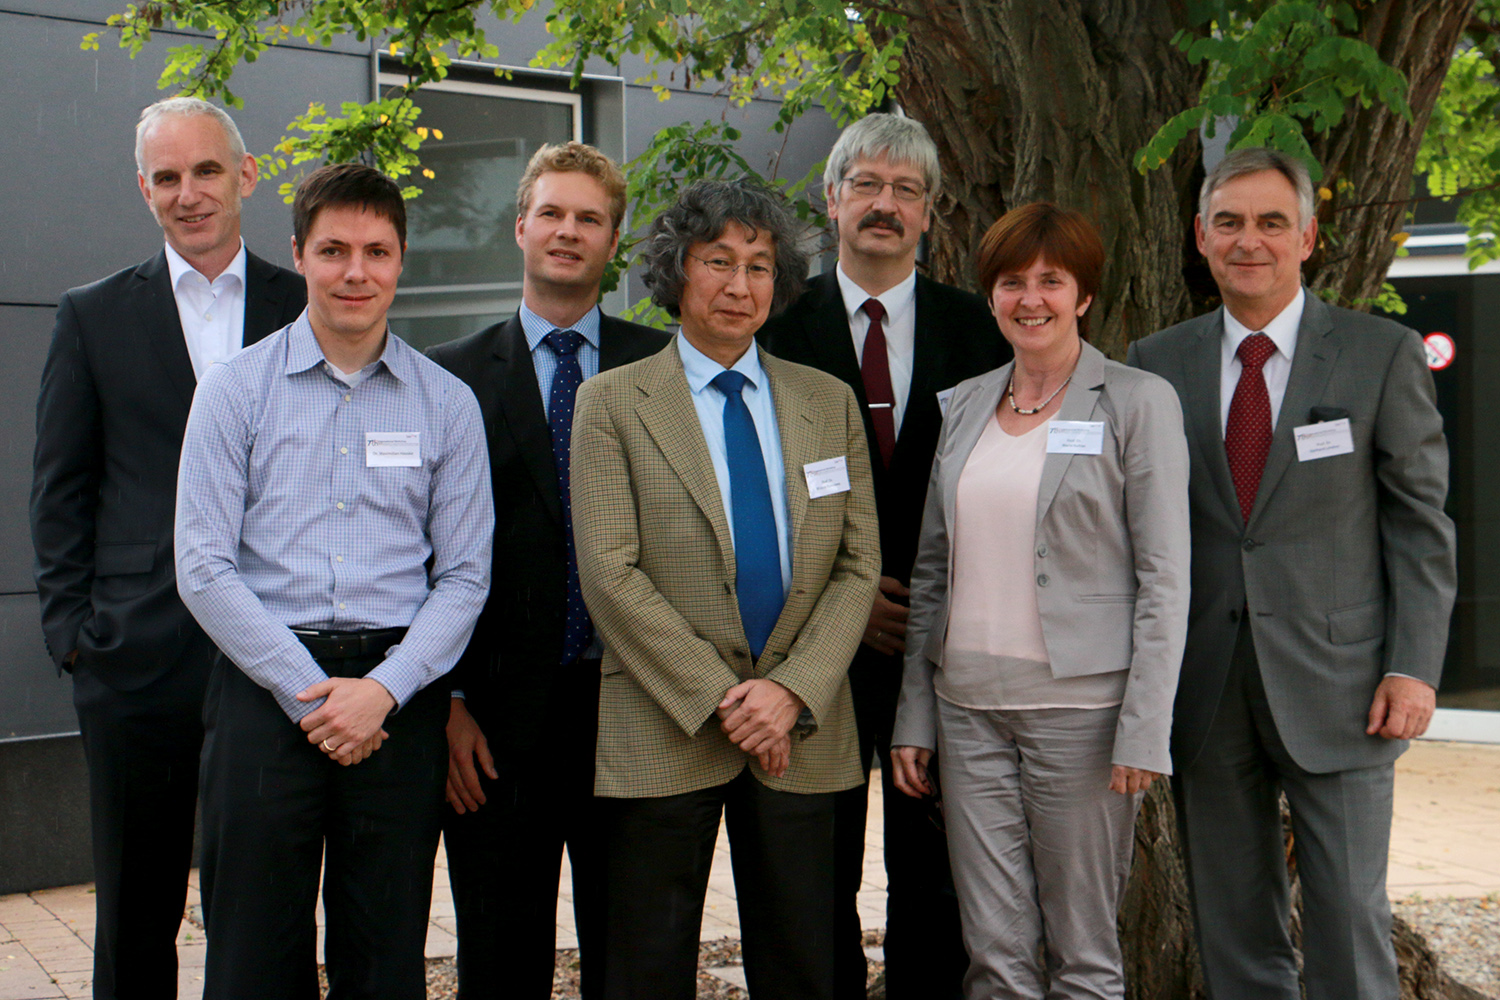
{"x": 754, "y": 271}
{"x": 870, "y": 187}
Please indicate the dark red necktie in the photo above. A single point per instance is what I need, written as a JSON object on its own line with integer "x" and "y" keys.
{"x": 1247, "y": 436}
{"x": 875, "y": 369}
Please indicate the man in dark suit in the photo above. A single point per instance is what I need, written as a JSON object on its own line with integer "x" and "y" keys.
{"x": 119, "y": 379}
{"x": 1322, "y": 583}
{"x": 526, "y": 693}
{"x": 902, "y": 342}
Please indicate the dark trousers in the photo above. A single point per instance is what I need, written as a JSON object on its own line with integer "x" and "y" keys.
{"x": 1228, "y": 808}
{"x": 505, "y": 859}
{"x": 660, "y": 852}
{"x": 142, "y": 751}
{"x": 924, "y": 950}
{"x": 273, "y": 804}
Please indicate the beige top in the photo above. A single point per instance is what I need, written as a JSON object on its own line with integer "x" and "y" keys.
{"x": 995, "y": 656}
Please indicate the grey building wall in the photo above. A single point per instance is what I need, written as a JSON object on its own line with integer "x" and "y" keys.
{"x": 72, "y": 213}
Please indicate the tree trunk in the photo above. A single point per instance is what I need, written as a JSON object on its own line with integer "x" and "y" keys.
{"x": 1374, "y": 149}
{"x": 1030, "y": 101}
{"x": 1050, "y": 101}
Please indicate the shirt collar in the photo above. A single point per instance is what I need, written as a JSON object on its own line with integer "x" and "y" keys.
{"x": 178, "y": 267}
{"x": 896, "y": 299}
{"x": 701, "y": 369}
{"x": 1282, "y": 330}
{"x": 303, "y": 352}
{"x": 537, "y": 328}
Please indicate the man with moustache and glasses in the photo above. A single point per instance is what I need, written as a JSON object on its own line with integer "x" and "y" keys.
{"x": 902, "y": 342}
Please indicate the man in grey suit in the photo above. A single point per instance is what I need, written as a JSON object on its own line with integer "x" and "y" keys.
{"x": 1322, "y": 582}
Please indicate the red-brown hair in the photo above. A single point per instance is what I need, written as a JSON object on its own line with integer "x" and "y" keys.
{"x": 1061, "y": 237}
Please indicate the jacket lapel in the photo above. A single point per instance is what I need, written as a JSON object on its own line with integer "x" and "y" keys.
{"x": 1078, "y": 403}
{"x": 666, "y": 410}
{"x": 519, "y": 400}
{"x": 1203, "y": 409}
{"x": 156, "y": 315}
{"x": 799, "y": 442}
{"x": 1311, "y": 367}
{"x": 265, "y": 298}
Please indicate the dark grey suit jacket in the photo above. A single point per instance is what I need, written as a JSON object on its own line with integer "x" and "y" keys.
{"x": 1347, "y": 562}
{"x": 116, "y": 389}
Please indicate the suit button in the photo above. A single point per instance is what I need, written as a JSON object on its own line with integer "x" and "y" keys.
{"x": 1042, "y": 580}
{"x": 1041, "y": 551}
{"x": 1251, "y": 545}
{"x": 742, "y": 653}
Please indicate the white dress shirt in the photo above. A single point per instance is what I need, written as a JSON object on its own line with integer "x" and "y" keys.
{"x": 900, "y": 324}
{"x": 1278, "y": 368}
{"x": 212, "y": 312}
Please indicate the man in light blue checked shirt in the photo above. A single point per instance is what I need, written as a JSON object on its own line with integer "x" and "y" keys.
{"x": 334, "y": 523}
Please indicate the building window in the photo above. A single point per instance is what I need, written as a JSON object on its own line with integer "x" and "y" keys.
{"x": 463, "y": 268}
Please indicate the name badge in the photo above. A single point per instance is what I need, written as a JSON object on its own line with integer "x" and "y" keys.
{"x": 828, "y": 476}
{"x": 943, "y": 397}
{"x": 1075, "y": 437}
{"x": 1324, "y": 440}
{"x": 393, "y": 448}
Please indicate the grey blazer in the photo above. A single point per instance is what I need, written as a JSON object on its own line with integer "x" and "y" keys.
{"x": 1111, "y": 559}
{"x": 1347, "y": 563}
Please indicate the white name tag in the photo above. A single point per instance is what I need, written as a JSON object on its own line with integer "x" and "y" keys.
{"x": 943, "y": 397}
{"x": 828, "y": 476}
{"x": 1332, "y": 437}
{"x": 1075, "y": 437}
{"x": 388, "y": 448}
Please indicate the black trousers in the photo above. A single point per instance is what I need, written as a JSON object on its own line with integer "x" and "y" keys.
{"x": 504, "y": 860}
{"x": 142, "y": 749}
{"x": 273, "y": 803}
{"x": 660, "y": 852}
{"x": 924, "y": 950}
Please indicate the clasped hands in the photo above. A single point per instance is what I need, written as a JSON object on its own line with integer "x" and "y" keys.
{"x": 757, "y": 715}
{"x": 347, "y": 726}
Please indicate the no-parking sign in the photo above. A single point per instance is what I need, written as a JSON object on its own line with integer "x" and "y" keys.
{"x": 1439, "y": 347}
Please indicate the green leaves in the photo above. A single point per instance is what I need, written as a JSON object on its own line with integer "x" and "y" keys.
{"x": 1279, "y": 70}
{"x": 1460, "y": 151}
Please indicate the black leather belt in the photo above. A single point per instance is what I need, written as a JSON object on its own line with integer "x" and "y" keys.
{"x": 324, "y": 644}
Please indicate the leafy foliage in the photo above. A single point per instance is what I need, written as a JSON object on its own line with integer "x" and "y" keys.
{"x": 1460, "y": 152}
{"x": 1277, "y": 69}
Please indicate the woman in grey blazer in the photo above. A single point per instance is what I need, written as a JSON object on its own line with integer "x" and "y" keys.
{"x": 1048, "y": 613}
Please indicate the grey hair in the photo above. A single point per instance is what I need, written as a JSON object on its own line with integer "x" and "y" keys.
{"x": 1252, "y": 160}
{"x": 186, "y": 107}
{"x": 701, "y": 214}
{"x": 899, "y": 140}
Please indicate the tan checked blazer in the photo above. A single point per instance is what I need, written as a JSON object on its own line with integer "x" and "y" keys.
{"x": 656, "y": 560}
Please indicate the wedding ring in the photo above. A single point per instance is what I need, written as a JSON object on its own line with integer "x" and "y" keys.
{"x": 326, "y": 747}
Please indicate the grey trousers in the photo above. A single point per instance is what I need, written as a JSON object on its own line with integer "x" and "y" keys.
{"x": 1228, "y": 805}
{"x": 1040, "y": 849}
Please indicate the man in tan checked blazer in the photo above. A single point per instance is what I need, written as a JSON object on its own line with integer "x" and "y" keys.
{"x": 728, "y": 552}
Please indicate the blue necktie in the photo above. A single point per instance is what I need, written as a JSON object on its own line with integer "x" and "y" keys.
{"x": 757, "y": 557}
{"x": 578, "y": 632}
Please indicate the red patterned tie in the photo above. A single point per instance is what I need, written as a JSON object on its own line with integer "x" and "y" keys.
{"x": 1247, "y": 437}
{"x": 875, "y": 369}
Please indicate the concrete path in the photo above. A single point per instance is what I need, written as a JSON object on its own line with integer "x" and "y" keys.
{"x": 1445, "y": 842}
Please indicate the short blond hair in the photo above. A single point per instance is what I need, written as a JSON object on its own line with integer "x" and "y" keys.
{"x": 571, "y": 157}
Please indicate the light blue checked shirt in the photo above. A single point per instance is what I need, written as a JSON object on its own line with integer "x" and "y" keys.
{"x": 544, "y": 360}
{"x": 281, "y": 524}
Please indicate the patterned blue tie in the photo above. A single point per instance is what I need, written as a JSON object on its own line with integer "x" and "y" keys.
{"x": 757, "y": 558}
{"x": 579, "y": 630}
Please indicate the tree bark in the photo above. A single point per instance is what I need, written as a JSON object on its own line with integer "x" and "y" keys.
{"x": 1030, "y": 101}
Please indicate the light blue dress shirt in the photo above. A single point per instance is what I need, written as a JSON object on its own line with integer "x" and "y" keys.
{"x": 700, "y": 370}
{"x": 281, "y": 523}
{"x": 544, "y": 359}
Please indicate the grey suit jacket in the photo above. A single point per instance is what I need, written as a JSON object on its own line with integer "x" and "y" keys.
{"x": 1111, "y": 558}
{"x": 1347, "y": 562}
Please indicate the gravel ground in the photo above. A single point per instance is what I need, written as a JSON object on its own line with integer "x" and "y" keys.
{"x": 1465, "y": 933}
